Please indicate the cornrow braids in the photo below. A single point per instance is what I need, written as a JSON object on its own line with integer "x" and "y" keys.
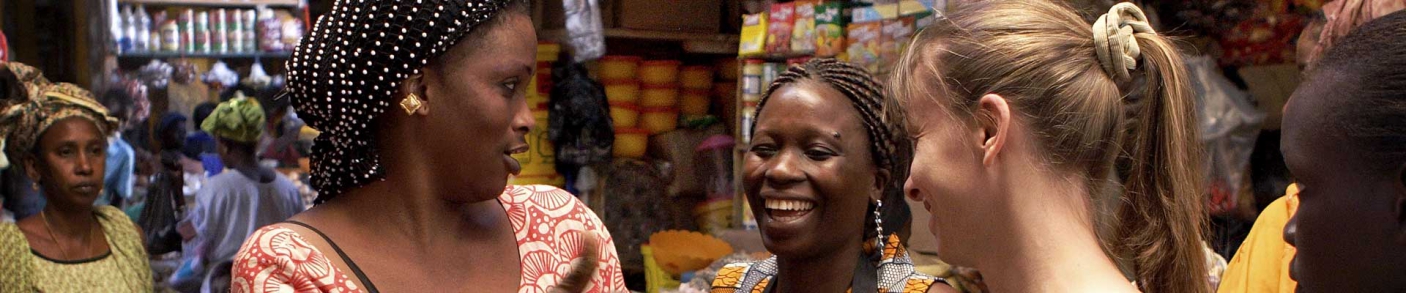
{"x": 888, "y": 141}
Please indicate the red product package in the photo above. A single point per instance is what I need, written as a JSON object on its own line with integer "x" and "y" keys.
{"x": 783, "y": 17}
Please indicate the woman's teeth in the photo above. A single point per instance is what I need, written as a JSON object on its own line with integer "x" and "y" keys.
{"x": 789, "y": 205}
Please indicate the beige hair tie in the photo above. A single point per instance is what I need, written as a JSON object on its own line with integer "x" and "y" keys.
{"x": 1113, "y": 39}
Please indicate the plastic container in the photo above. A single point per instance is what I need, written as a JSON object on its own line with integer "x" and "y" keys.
{"x": 548, "y": 51}
{"x": 618, "y": 67}
{"x": 729, "y": 69}
{"x": 659, "y": 96}
{"x": 752, "y": 80}
{"x": 694, "y": 102}
{"x": 659, "y": 72}
{"x": 622, "y": 91}
{"x": 630, "y": 142}
{"x": 659, "y": 119}
{"x": 624, "y": 114}
{"x": 696, "y": 77}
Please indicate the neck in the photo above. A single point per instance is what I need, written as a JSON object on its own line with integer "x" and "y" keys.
{"x": 242, "y": 162}
{"x": 824, "y": 272}
{"x": 69, "y": 221}
{"x": 1050, "y": 233}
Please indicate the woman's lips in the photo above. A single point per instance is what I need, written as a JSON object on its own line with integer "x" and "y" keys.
{"x": 787, "y": 210}
{"x": 514, "y": 167}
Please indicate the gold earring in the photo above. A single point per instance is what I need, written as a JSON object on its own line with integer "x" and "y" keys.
{"x": 411, "y": 103}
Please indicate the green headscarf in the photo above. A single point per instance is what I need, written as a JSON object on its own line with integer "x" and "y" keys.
{"x": 240, "y": 119}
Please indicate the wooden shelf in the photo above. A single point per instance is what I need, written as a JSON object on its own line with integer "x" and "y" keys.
{"x": 703, "y": 43}
{"x": 166, "y": 55}
{"x": 214, "y": 3}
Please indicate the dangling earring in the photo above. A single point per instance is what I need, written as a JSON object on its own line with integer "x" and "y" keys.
{"x": 879, "y": 226}
{"x": 34, "y": 185}
{"x": 411, "y": 103}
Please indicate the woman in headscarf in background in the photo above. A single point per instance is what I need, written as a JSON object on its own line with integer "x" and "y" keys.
{"x": 57, "y": 134}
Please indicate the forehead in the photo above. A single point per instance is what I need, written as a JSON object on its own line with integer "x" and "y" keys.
{"x": 810, "y": 103}
{"x": 508, "y": 40}
{"x": 1309, "y": 116}
{"x": 69, "y": 130}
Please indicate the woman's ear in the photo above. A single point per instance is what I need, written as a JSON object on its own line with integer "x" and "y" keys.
{"x": 882, "y": 180}
{"x": 415, "y": 85}
{"x": 31, "y": 169}
{"x": 993, "y": 120}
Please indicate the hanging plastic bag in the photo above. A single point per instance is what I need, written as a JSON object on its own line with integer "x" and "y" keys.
{"x": 584, "y": 31}
{"x": 1229, "y": 125}
{"x": 579, "y": 120}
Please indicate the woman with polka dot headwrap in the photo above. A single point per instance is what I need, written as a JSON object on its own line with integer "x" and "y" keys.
{"x": 420, "y": 104}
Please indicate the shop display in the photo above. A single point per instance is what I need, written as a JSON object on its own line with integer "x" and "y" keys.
{"x": 659, "y": 119}
{"x": 696, "y": 77}
{"x": 896, "y": 33}
{"x": 627, "y": 91}
{"x": 752, "y": 80}
{"x": 865, "y": 44}
{"x": 829, "y": 29}
{"x": 782, "y": 18}
{"x": 615, "y": 67}
{"x": 803, "y": 32}
{"x": 694, "y": 101}
{"x": 205, "y": 31}
{"x": 659, "y": 96}
{"x": 624, "y": 114}
{"x": 754, "y": 35}
{"x": 659, "y": 72}
{"x": 630, "y": 142}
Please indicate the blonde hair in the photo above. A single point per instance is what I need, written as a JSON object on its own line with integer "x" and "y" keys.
{"x": 1041, "y": 57}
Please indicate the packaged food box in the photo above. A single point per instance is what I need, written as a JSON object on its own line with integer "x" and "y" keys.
{"x": 753, "y": 36}
{"x": 829, "y": 29}
{"x": 803, "y": 33}
{"x": 896, "y": 33}
{"x": 778, "y": 39}
{"x": 864, "y": 44}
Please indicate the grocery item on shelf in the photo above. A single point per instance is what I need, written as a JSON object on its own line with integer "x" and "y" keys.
{"x": 616, "y": 67}
{"x": 782, "y": 19}
{"x": 659, "y": 72}
{"x": 202, "y": 32}
{"x": 896, "y": 33}
{"x": 829, "y": 29}
{"x": 270, "y": 31}
{"x": 864, "y": 44}
{"x": 694, "y": 101}
{"x": 622, "y": 91}
{"x": 803, "y": 32}
{"x": 623, "y": 114}
{"x": 170, "y": 36}
{"x": 754, "y": 35}
{"x": 630, "y": 142}
{"x": 752, "y": 85}
{"x": 659, "y": 119}
{"x": 653, "y": 95}
{"x": 696, "y": 77}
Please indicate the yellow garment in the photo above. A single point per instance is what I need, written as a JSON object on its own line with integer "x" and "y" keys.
{"x": 240, "y": 119}
{"x": 1262, "y": 263}
{"x": 124, "y": 269}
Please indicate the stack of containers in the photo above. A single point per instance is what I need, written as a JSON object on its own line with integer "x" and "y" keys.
{"x": 696, "y": 83}
{"x": 622, "y": 88}
{"x": 752, "y": 88}
{"x": 539, "y": 163}
{"x": 659, "y": 95}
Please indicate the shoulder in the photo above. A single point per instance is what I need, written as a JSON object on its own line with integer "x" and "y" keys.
{"x": 533, "y": 203}
{"x": 278, "y": 255}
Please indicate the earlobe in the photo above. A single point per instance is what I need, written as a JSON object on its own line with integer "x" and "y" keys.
{"x": 995, "y": 121}
{"x": 31, "y": 171}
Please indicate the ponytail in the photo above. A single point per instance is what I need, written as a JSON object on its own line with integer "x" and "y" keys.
{"x": 1161, "y": 219}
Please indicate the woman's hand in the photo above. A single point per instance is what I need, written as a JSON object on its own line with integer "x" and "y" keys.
{"x": 584, "y": 268}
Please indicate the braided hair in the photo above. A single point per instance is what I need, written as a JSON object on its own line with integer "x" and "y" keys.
{"x": 888, "y": 139}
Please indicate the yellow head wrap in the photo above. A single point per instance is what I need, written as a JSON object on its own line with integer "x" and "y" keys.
{"x": 240, "y": 119}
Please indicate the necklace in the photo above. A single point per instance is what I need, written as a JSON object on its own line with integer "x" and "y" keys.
{"x": 86, "y": 237}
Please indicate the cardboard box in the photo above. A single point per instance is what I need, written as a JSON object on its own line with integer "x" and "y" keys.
{"x": 704, "y": 16}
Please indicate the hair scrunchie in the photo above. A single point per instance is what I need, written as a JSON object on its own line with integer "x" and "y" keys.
{"x": 1114, "y": 39}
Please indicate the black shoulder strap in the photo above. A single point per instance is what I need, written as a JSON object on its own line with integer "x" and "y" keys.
{"x": 350, "y": 264}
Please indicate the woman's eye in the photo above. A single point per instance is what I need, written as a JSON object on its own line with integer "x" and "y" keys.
{"x": 764, "y": 151}
{"x": 819, "y": 155}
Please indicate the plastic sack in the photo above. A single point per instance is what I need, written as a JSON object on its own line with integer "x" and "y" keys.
{"x": 578, "y": 120}
{"x": 1229, "y": 126}
{"x": 584, "y": 31}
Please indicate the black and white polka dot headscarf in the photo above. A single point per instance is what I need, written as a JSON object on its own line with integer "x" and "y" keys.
{"x": 347, "y": 72}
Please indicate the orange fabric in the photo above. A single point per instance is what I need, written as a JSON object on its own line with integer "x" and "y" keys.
{"x": 1262, "y": 263}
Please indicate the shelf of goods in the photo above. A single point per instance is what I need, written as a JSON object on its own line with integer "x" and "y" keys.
{"x": 214, "y": 3}
{"x": 167, "y": 55}
{"x": 703, "y": 43}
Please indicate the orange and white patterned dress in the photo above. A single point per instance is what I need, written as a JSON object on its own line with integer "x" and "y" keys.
{"x": 547, "y": 222}
{"x": 896, "y": 274}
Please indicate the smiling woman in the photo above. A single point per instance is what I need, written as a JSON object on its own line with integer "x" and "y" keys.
{"x": 58, "y": 135}
{"x": 821, "y": 165}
